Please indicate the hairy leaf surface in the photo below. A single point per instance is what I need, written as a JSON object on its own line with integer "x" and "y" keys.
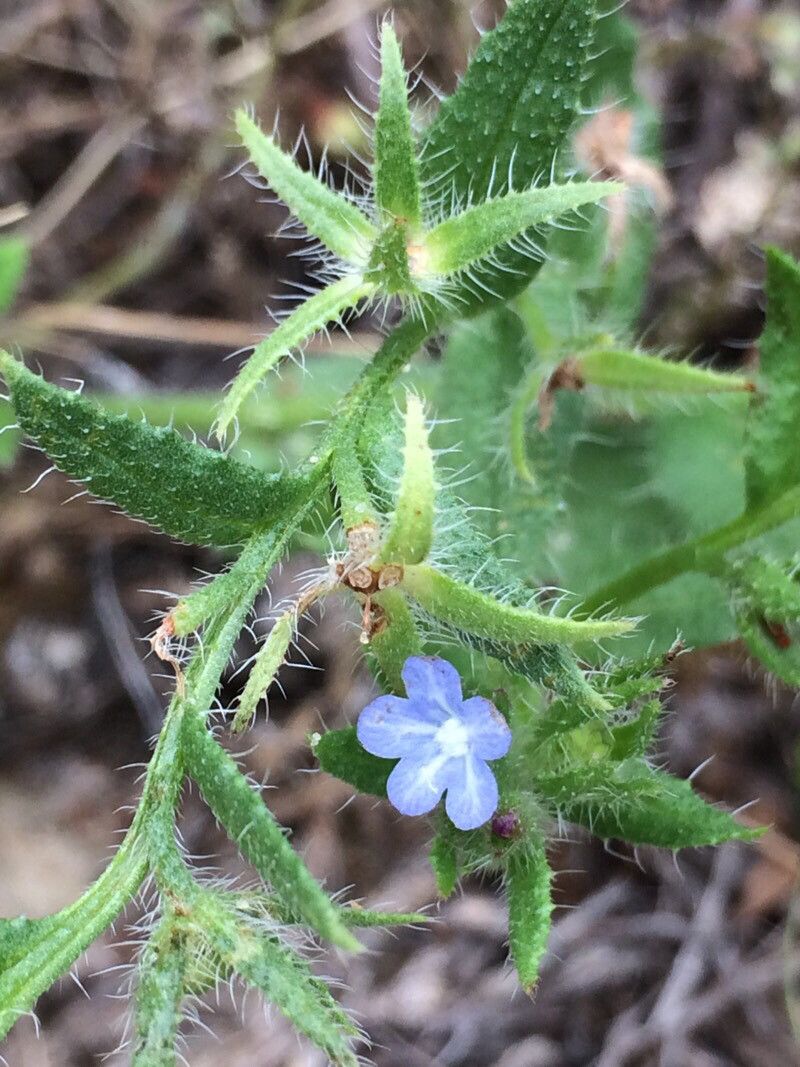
{"x": 188, "y": 491}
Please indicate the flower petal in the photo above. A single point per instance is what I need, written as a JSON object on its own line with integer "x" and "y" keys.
{"x": 415, "y": 786}
{"x": 489, "y": 733}
{"x": 472, "y": 795}
{"x": 391, "y": 726}
{"x": 434, "y": 681}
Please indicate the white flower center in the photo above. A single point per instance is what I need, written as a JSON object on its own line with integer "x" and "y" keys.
{"x": 452, "y": 737}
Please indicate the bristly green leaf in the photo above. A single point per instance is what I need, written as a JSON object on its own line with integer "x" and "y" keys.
{"x": 270, "y": 658}
{"x": 530, "y": 907}
{"x": 335, "y": 221}
{"x": 159, "y": 994}
{"x": 509, "y": 117}
{"x": 14, "y": 256}
{"x": 617, "y": 368}
{"x": 313, "y": 315}
{"x": 468, "y": 609}
{"x": 458, "y": 242}
{"x": 257, "y": 835}
{"x": 773, "y": 458}
{"x": 255, "y": 953}
{"x": 340, "y": 753}
{"x": 397, "y": 190}
{"x": 188, "y": 491}
{"x": 410, "y": 533}
{"x": 634, "y": 803}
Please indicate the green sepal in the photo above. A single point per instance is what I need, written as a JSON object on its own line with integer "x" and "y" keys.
{"x": 189, "y": 492}
{"x": 335, "y": 221}
{"x": 399, "y": 638}
{"x": 765, "y": 600}
{"x": 468, "y": 609}
{"x": 410, "y": 533}
{"x": 530, "y": 908}
{"x": 458, "y": 242}
{"x": 257, "y": 835}
{"x": 773, "y": 458}
{"x": 14, "y": 259}
{"x": 635, "y": 737}
{"x": 635, "y": 803}
{"x": 772, "y": 642}
{"x": 250, "y": 950}
{"x": 397, "y": 189}
{"x": 628, "y": 369}
{"x": 160, "y": 991}
{"x": 563, "y": 717}
{"x": 340, "y": 753}
{"x": 311, "y": 316}
{"x": 770, "y": 586}
{"x": 631, "y": 679}
{"x": 510, "y": 117}
{"x": 268, "y": 661}
{"x": 444, "y": 858}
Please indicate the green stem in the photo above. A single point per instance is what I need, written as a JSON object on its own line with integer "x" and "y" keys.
{"x": 700, "y": 554}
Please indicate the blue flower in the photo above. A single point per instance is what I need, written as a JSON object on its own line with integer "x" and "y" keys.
{"x": 442, "y": 741}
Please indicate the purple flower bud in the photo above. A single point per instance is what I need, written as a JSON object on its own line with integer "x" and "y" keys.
{"x": 505, "y": 824}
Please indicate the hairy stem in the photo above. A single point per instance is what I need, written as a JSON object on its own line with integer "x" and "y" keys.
{"x": 703, "y": 553}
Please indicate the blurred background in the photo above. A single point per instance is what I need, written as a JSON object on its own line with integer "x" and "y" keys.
{"x": 147, "y": 267}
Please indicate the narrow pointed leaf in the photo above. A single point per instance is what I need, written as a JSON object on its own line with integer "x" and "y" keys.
{"x": 467, "y": 608}
{"x": 634, "y": 803}
{"x": 410, "y": 533}
{"x": 362, "y": 918}
{"x": 397, "y": 190}
{"x": 773, "y": 458}
{"x": 459, "y": 242}
{"x": 257, "y": 835}
{"x": 616, "y": 368}
{"x": 313, "y": 315}
{"x": 530, "y": 908}
{"x": 270, "y": 658}
{"x": 331, "y": 218}
{"x": 188, "y": 491}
